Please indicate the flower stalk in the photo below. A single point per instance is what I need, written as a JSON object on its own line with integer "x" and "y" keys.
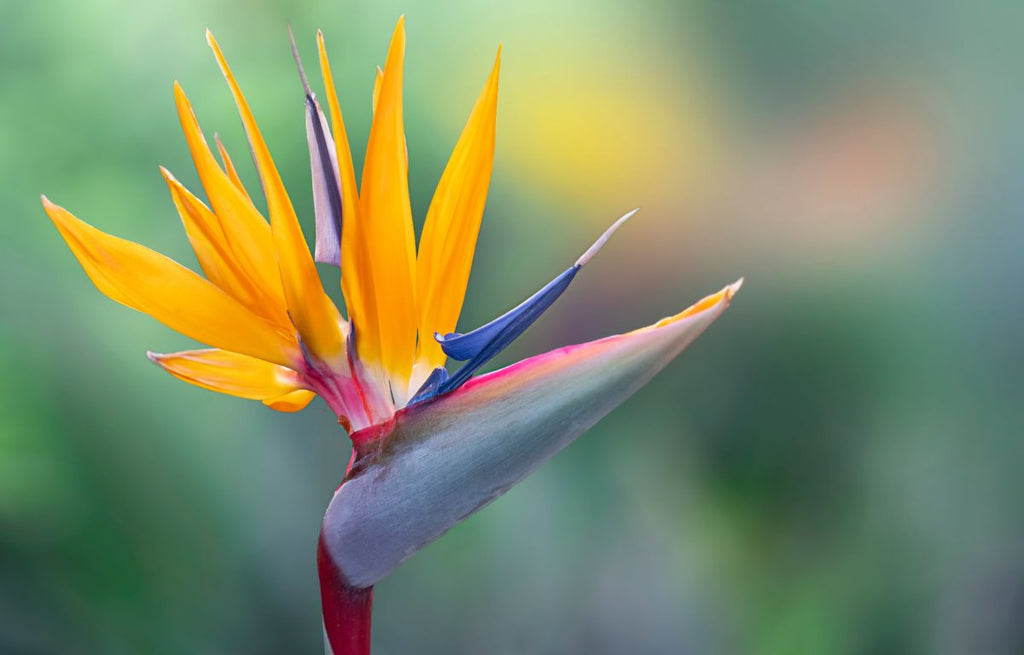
{"x": 346, "y": 609}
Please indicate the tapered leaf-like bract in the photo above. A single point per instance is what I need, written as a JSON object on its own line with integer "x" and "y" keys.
{"x": 436, "y": 462}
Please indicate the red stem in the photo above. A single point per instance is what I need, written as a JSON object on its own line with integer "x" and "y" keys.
{"x": 346, "y": 609}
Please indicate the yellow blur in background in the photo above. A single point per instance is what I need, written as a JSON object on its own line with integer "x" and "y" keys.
{"x": 833, "y": 468}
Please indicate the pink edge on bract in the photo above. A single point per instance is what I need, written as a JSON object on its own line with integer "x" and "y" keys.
{"x": 559, "y": 357}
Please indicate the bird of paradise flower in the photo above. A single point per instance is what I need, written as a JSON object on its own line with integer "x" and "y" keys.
{"x": 429, "y": 447}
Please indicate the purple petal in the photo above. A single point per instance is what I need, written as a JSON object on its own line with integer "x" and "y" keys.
{"x": 323, "y": 162}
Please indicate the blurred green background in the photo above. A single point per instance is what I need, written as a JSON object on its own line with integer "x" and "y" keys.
{"x": 833, "y": 468}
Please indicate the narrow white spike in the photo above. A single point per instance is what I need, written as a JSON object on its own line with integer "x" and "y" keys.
{"x": 731, "y": 290}
{"x": 592, "y": 250}
{"x": 298, "y": 63}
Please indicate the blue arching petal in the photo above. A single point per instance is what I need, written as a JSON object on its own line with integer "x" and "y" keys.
{"x": 476, "y": 348}
{"x": 482, "y": 344}
{"x": 464, "y": 347}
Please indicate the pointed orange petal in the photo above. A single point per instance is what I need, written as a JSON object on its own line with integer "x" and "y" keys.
{"x": 156, "y": 285}
{"x": 452, "y": 224}
{"x": 387, "y": 221}
{"x": 357, "y": 282}
{"x": 215, "y": 256}
{"x": 314, "y": 314}
{"x": 230, "y": 373}
{"x": 229, "y": 167}
{"x": 247, "y": 234}
{"x": 378, "y": 79}
{"x": 290, "y": 402}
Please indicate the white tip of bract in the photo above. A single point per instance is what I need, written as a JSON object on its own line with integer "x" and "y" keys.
{"x": 731, "y": 290}
{"x": 437, "y": 462}
{"x": 592, "y": 250}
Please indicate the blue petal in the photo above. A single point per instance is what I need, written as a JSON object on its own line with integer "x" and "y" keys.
{"x": 463, "y": 347}
{"x": 482, "y": 344}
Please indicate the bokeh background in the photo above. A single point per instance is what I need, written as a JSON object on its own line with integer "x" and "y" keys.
{"x": 835, "y": 467}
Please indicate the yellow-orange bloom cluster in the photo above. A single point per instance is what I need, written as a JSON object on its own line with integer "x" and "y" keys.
{"x": 273, "y": 331}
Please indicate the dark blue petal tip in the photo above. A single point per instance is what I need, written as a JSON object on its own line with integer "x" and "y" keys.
{"x": 430, "y": 386}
